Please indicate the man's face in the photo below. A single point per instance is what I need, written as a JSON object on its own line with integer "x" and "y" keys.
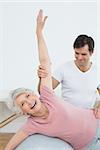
{"x": 29, "y": 103}
{"x": 82, "y": 56}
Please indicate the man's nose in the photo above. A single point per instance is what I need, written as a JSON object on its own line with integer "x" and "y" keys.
{"x": 80, "y": 57}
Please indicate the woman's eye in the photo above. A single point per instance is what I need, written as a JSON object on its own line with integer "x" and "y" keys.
{"x": 23, "y": 103}
{"x": 28, "y": 95}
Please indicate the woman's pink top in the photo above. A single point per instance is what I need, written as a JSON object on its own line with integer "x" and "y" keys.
{"x": 74, "y": 125}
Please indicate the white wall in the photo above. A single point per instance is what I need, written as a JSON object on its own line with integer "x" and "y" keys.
{"x": 98, "y": 38}
{"x": 1, "y": 48}
{"x": 66, "y": 20}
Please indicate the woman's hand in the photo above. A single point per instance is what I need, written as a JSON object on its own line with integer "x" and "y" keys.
{"x": 40, "y": 22}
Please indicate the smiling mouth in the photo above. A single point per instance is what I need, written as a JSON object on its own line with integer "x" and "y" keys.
{"x": 33, "y": 105}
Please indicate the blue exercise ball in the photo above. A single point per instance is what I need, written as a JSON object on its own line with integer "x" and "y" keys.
{"x": 41, "y": 142}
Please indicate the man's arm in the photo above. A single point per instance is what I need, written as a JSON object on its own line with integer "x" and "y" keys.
{"x": 55, "y": 82}
{"x": 98, "y": 89}
{"x": 42, "y": 50}
{"x": 97, "y": 109}
{"x": 16, "y": 140}
{"x": 97, "y": 106}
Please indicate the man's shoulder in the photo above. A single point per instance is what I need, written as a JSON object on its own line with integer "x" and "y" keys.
{"x": 67, "y": 64}
{"x": 64, "y": 67}
{"x": 94, "y": 65}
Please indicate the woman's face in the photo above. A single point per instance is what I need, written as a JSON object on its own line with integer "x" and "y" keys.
{"x": 29, "y": 103}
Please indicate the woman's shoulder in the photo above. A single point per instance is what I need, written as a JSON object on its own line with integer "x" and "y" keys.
{"x": 45, "y": 90}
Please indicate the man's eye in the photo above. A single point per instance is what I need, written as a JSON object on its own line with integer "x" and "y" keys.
{"x": 83, "y": 54}
{"x": 76, "y": 53}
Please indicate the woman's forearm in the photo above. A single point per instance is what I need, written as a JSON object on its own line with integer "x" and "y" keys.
{"x": 42, "y": 50}
{"x": 16, "y": 140}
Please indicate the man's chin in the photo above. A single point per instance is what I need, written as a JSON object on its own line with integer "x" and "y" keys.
{"x": 81, "y": 64}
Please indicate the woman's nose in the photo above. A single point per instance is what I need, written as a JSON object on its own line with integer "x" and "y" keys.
{"x": 29, "y": 102}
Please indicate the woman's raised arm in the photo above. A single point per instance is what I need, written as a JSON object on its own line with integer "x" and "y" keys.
{"x": 42, "y": 50}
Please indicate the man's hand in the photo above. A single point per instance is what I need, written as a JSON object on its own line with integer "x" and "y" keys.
{"x": 40, "y": 22}
{"x": 42, "y": 73}
{"x": 97, "y": 109}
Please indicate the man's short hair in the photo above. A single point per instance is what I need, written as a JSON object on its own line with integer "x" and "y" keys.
{"x": 83, "y": 40}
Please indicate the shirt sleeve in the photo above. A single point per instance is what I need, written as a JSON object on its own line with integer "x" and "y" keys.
{"x": 29, "y": 127}
{"x": 47, "y": 94}
{"x": 57, "y": 74}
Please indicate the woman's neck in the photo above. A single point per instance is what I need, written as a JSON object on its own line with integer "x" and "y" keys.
{"x": 43, "y": 112}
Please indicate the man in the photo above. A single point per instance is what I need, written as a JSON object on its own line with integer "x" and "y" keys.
{"x": 78, "y": 77}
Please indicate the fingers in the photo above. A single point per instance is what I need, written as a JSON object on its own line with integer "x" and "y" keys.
{"x": 40, "y": 12}
{"x": 45, "y": 18}
{"x": 42, "y": 75}
{"x": 97, "y": 109}
{"x": 42, "y": 72}
{"x": 40, "y": 16}
{"x": 97, "y": 113}
{"x": 42, "y": 67}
